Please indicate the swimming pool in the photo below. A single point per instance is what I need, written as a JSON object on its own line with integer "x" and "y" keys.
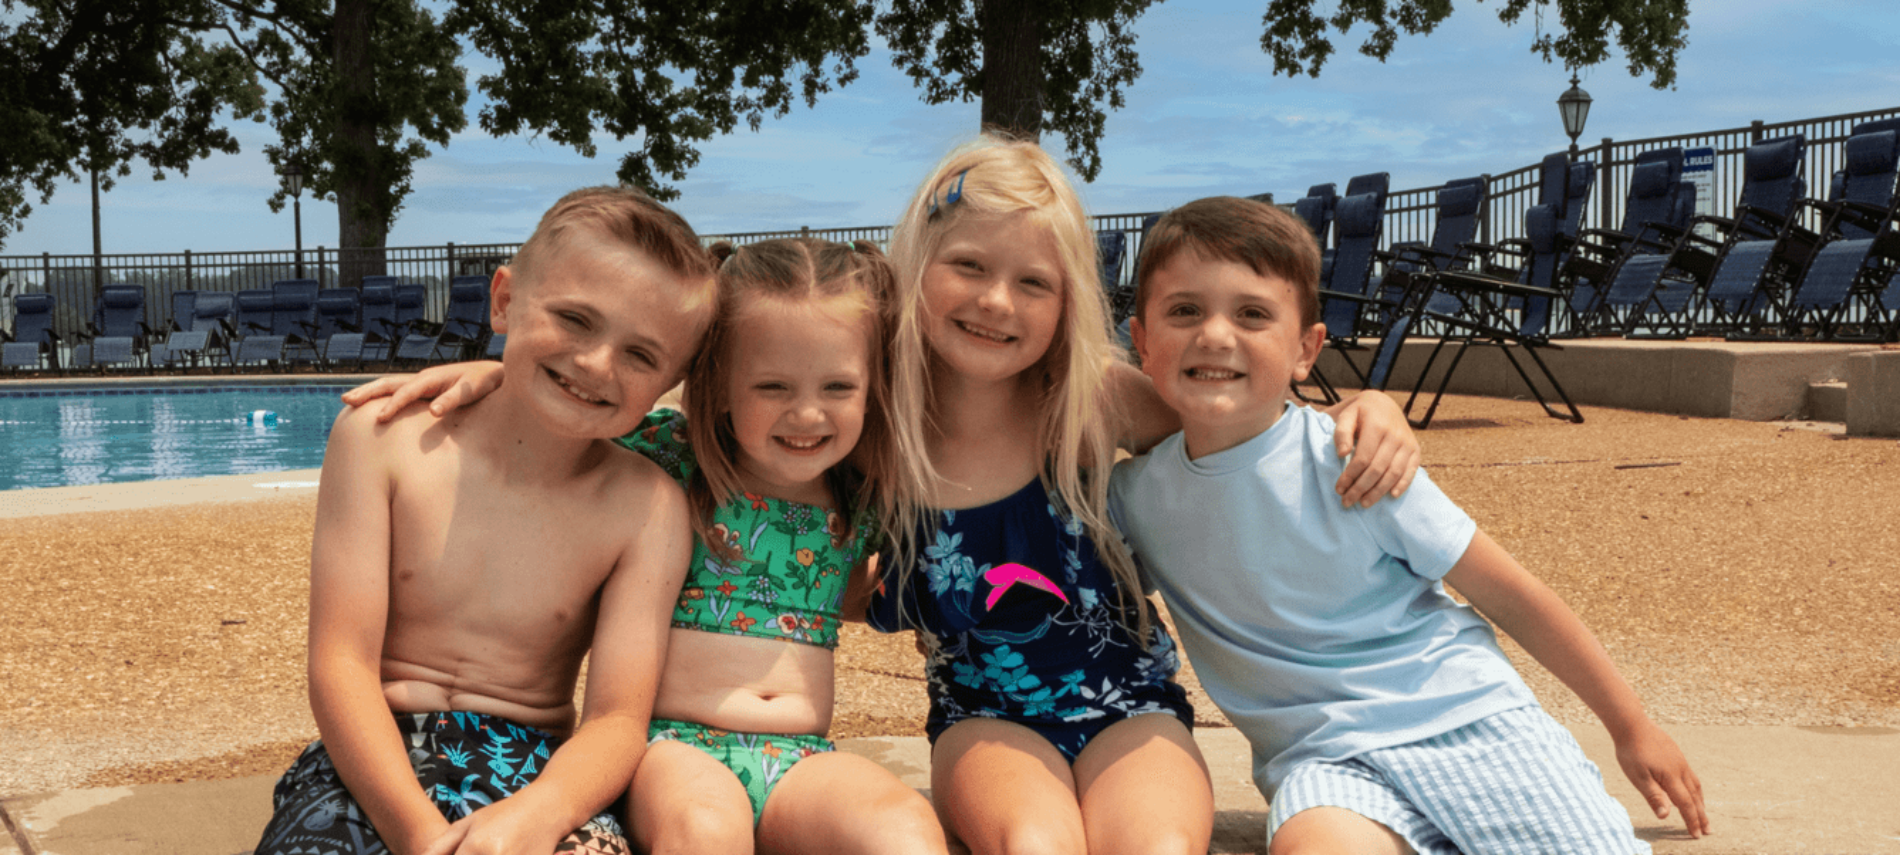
{"x": 52, "y": 437}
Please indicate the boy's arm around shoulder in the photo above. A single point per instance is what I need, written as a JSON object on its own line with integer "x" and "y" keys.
{"x": 1539, "y": 620}
{"x": 595, "y": 766}
{"x": 349, "y": 608}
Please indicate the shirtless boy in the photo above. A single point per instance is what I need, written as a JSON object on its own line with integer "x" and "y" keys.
{"x": 464, "y": 564}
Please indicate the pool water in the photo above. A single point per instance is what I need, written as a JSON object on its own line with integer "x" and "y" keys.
{"x": 60, "y": 437}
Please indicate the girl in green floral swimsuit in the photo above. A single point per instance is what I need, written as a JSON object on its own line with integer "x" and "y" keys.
{"x": 783, "y": 450}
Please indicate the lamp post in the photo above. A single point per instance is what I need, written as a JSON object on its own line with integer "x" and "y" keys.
{"x": 293, "y": 178}
{"x": 1574, "y": 106}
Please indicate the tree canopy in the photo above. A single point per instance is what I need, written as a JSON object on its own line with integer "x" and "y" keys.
{"x": 357, "y": 90}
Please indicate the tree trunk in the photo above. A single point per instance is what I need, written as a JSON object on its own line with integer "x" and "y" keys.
{"x": 362, "y": 191}
{"x": 1012, "y": 67}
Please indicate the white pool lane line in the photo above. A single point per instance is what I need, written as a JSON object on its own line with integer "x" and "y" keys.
{"x": 89, "y": 498}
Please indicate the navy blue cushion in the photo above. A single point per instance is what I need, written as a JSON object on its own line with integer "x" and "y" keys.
{"x": 122, "y": 297}
{"x": 1313, "y": 211}
{"x": 1871, "y": 154}
{"x": 1371, "y": 182}
{"x": 211, "y": 304}
{"x": 1551, "y": 178}
{"x": 1540, "y": 226}
{"x": 1650, "y": 180}
{"x": 1773, "y": 160}
{"x": 1582, "y": 174}
{"x": 1323, "y": 191}
{"x": 1358, "y": 216}
{"x": 1459, "y": 201}
{"x": 32, "y": 304}
{"x": 1878, "y": 125}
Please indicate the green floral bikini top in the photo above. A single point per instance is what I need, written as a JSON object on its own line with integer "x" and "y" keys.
{"x": 776, "y": 569}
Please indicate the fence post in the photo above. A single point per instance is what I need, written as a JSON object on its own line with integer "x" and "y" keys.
{"x": 1754, "y": 132}
{"x": 1606, "y": 185}
{"x": 188, "y": 285}
{"x": 451, "y": 262}
{"x": 320, "y": 264}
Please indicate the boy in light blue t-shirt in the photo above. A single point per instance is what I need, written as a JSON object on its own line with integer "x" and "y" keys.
{"x": 1382, "y": 714}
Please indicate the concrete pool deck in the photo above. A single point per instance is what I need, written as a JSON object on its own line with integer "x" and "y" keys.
{"x": 1769, "y": 789}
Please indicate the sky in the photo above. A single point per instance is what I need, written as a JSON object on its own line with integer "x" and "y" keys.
{"x": 1206, "y": 117}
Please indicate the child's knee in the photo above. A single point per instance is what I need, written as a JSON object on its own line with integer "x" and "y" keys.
{"x": 1335, "y": 831}
{"x": 1042, "y": 838}
{"x": 698, "y": 825}
{"x": 904, "y": 824}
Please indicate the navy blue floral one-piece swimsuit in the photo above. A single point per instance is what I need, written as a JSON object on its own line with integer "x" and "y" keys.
{"x": 1020, "y": 622}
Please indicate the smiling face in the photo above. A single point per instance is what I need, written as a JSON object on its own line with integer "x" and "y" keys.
{"x": 993, "y": 296}
{"x": 1223, "y": 345}
{"x": 597, "y": 337}
{"x": 797, "y": 390}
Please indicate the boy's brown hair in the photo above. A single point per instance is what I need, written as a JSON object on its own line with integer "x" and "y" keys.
{"x": 621, "y": 216}
{"x": 1265, "y": 238}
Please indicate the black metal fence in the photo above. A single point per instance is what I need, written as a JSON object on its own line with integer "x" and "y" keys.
{"x": 74, "y": 280}
{"x": 1409, "y": 215}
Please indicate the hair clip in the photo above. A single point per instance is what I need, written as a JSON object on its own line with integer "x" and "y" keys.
{"x": 953, "y": 196}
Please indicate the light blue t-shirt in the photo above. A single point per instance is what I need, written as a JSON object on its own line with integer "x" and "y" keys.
{"x": 1322, "y": 632}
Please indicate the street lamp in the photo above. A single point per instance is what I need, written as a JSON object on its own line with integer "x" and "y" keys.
{"x": 1574, "y": 106}
{"x": 293, "y": 178}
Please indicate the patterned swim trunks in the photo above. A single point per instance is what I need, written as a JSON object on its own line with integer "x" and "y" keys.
{"x": 760, "y": 760}
{"x": 464, "y": 762}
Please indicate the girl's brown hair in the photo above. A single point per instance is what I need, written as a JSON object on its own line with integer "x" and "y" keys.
{"x": 794, "y": 269}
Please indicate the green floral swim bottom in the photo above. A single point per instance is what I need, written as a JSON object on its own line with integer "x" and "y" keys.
{"x": 760, "y": 760}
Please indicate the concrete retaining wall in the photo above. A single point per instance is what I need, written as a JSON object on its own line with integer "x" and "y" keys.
{"x": 1750, "y": 381}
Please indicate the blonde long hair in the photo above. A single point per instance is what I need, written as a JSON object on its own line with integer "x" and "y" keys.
{"x": 995, "y": 176}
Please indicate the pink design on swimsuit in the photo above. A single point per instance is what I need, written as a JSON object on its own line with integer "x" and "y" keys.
{"x": 1002, "y": 576}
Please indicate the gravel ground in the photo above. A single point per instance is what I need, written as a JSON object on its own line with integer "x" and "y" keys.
{"x": 1739, "y": 572}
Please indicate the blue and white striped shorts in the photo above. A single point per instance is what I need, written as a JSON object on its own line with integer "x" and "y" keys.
{"x": 1512, "y": 782}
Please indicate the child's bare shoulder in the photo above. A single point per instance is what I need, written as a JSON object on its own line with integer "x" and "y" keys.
{"x": 631, "y": 476}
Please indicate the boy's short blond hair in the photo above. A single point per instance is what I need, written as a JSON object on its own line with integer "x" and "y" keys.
{"x": 619, "y": 216}
{"x": 1265, "y": 238}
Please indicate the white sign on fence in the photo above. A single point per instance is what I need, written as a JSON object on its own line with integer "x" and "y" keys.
{"x": 1698, "y": 168}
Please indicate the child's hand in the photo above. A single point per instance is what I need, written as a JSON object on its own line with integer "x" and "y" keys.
{"x": 450, "y": 386}
{"x": 1662, "y": 774}
{"x": 503, "y": 828}
{"x": 1372, "y": 429}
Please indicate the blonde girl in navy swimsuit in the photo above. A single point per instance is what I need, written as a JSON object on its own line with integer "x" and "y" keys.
{"x": 1054, "y": 717}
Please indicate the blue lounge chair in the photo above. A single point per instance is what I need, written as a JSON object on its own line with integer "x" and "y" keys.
{"x": 33, "y": 345}
{"x": 1511, "y": 313}
{"x": 1346, "y": 307}
{"x": 182, "y": 302}
{"x": 1654, "y": 221}
{"x": 339, "y": 336}
{"x": 1111, "y": 250}
{"x": 294, "y": 316}
{"x": 380, "y": 330}
{"x": 1843, "y": 292}
{"x": 256, "y": 343}
{"x": 119, "y": 333}
{"x": 1761, "y": 233}
{"x": 1317, "y": 209}
{"x": 1460, "y": 212}
{"x": 206, "y": 330}
{"x": 463, "y": 330}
